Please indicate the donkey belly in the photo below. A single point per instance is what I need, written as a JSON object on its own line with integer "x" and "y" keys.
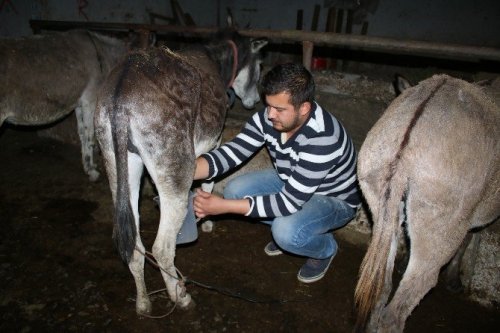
{"x": 31, "y": 116}
{"x": 206, "y": 145}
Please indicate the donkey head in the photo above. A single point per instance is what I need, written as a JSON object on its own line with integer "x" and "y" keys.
{"x": 247, "y": 79}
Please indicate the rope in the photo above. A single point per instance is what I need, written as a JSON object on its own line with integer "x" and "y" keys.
{"x": 182, "y": 281}
{"x": 235, "y": 62}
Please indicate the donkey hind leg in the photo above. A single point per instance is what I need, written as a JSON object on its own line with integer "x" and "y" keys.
{"x": 173, "y": 209}
{"x": 85, "y": 122}
{"x": 173, "y": 181}
{"x": 136, "y": 264}
{"x": 452, "y": 271}
{"x": 431, "y": 247}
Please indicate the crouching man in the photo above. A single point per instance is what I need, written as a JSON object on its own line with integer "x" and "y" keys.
{"x": 312, "y": 188}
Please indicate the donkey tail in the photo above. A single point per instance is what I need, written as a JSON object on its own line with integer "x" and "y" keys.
{"x": 375, "y": 278}
{"x": 124, "y": 230}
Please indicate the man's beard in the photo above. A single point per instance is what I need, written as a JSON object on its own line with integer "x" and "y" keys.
{"x": 280, "y": 127}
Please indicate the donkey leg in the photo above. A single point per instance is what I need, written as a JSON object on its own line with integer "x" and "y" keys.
{"x": 434, "y": 239}
{"x": 452, "y": 272}
{"x": 136, "y": 264}
{"x": 85, "y": 122}
{"x": 173, "y": 207}
{"x": 417, "y": 281}
{"x": 170, "y": 161}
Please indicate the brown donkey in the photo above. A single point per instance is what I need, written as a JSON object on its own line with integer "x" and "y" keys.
{"x": 432, "y": 162}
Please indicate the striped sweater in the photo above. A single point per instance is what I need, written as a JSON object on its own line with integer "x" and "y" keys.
{"x": 319, "y": 158}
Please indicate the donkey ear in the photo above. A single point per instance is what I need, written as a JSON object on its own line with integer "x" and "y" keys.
{"x": 230, "y": 19}
{"x": 257, "y": 44}
{"x": 401, "y": 84}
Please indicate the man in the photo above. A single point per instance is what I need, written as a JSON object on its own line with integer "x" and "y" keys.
{"x": 312, "y": 188}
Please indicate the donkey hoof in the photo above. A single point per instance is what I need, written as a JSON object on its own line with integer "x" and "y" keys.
{"x": 93, "y": 175}
{"x": 191, "y": 305}
{"x": 143, "y": 308}
{"x": 186, "y": 302}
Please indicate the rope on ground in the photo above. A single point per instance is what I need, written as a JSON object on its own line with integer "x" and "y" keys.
{"x": 182, "y": 281}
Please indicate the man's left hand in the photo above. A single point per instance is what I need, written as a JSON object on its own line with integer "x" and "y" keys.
{"x": 210, "y": 204}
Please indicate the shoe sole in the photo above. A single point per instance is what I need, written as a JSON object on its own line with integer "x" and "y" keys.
{"x": 273, "y": 253}
{"x": 314, "y": 278}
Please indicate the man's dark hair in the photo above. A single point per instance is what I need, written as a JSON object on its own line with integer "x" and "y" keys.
{"x": 291, "y": 78}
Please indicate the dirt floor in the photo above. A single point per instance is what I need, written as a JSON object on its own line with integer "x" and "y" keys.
{"x": 60, "y": 272}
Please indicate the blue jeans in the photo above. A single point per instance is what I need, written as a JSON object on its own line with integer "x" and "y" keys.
{"x": 188, "y": 232}
{"x": 307, "y": 232}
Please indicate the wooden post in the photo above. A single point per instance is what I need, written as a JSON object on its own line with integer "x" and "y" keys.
{"x": 144, "y": 38}
{"x": 339, "y": 21}
{"x": 349, "y": 21}
{"x": 307, "y": 51}
{"x": 330, "y": 21}
{"x": 300, "y": 16}
{"x": 348, "y": 30}
{"x": 314, "y": 24}
{"x": 364, "y": 28}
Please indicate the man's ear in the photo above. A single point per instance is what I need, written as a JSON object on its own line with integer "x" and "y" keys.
{"x": 304, "y": 108}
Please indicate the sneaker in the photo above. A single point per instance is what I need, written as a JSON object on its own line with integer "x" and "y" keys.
{"x": 272, "y": 249}
{"x": 314, "y": 269}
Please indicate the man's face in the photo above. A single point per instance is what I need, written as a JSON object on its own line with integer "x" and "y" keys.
{"x": 282, "y": 114}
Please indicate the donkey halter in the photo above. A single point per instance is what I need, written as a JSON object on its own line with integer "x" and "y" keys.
{"x": 235, "y": 62}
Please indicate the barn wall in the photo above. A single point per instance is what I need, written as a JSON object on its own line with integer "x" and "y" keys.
{"x": 463, "y": 21}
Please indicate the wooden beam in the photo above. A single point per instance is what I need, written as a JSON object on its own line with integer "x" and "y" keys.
{"x": 349, "y": 41}
{"x": 381, "y": 44}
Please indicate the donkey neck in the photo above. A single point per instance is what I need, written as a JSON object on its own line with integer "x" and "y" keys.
{"x": 225, "y": 54}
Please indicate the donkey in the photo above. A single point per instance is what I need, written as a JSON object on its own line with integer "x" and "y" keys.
{"x": 45, "y": 77}
{"x": 162, "y": 109}
{"x": 431, "y": 164}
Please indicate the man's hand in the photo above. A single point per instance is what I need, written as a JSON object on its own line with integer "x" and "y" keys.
{"x": 206, "y": 204}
